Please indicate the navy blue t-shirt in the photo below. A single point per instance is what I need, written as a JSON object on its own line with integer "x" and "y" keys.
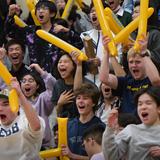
{"x": 127, "y": 87}
{"x": 75, "y": 133}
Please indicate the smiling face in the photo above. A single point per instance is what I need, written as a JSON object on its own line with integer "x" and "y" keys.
{"x": 84, "y": 104}
{"x": 65, "y": 67}
{"x": 29, "y": 86}
{"x": 15, "y": 54}
{"x": 148, "y": 110}
{"x": 6, "y": 115}
{"x": 136, "y": 67}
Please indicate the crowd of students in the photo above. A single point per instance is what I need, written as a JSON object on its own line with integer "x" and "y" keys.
{"x": 114, "y": 113}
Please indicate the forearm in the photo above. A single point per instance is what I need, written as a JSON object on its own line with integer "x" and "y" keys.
{"x": 30, "y": 113}
{"x": 119, "y": 71}
{"x": 78, "y": 77}
{"x": 151, "y": 71}
{"x": 104, "y": 69}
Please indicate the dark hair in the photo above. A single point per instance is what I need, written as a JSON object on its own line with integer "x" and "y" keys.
{"x": 61, "y": 21}
{"x": 125, "y": 119}
{"x": 95, "y": 132}
{"x": 137, "y": 3}
{"x": 38, "y": 80}
{"x": 68, "y": 55}
{"x": 15, "y": 41}
{"x": 153, "y": 92}
{"x": 90, "y": 90}
{"x": 47, "y": 3}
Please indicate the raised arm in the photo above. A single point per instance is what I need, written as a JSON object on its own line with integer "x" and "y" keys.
{"x": 31, "y": 115}
{"x": 151, "y": 70}
{"x": 78, "y": 78}
{"x": 45, "y": 97}
{"x": 104, "y": 75}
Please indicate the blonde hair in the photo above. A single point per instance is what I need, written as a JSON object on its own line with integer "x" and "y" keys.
{"x": 132, "y": 53}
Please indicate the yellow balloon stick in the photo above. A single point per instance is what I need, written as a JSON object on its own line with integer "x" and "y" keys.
{"x": 79, "y": 3}
{"x": 67, "y": 9}
{"x": 19, "y": 22}
{"x": 114, "y": 23}
{"x": 62, "y": 139}
{"x": 104, "y": 26}
{"x": 61, "y": 44}
{"x": 13, "y": 97}
{"x": 13, "y": 100}
{"x": 50, "y": 153}
{"x": 123, "y": 35}
{"x": 142, "y": 28}
{"x": 35, "y": 18}
{"x": 4, "y": 74}
{"x": 62, "y": 134}
{"x": 30, "y": 4}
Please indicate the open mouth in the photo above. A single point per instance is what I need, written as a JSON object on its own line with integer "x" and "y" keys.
{"x": 14, "y": 58}
{"x": 3, "y": 117}
{"x": 107, "y": 90}
{"x": 81, "y": 107}
{"x": 94, "y": 19}
{"x": 144, "y": 115}
{"x": 41, "y": 17}
{"x": 135, "y": 71}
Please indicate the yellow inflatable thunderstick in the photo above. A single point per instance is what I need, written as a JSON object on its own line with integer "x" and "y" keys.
{"x": 19, "y": 22}
{"x": 67, "y": 9}
{"x": 104, "y": 26}
{"x": 142, "y": 28}
{"x": 61, "y": 44}
{"x": 123, "y": 35}
{"x": 62, "y": 139}
{"x": 13, "y": 97}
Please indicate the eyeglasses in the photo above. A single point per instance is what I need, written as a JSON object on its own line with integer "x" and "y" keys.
{"x": 27, "y": 80}
{"x": 12, "y": 49}
{"x": 43, "y": 7}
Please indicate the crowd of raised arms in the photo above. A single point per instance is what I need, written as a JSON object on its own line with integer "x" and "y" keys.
{"x": 112, "y": 102}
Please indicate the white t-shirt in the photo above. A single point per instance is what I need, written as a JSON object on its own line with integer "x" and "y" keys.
{"x": 98, "y": 156}
{"x": 18, "y": 141}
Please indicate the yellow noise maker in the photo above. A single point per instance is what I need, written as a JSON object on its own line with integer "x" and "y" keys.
{"x": 114, "y": 23}
{"x": 104, "y": 26}
{"x": 13, "y": 97}
{"x": 67, "y": 9}
{"x": 79, "y": 3}
{"x": 142, "y": 28}
{"x": 36, "y": 22}
{"x": 30, "y": 4}
{"x": 123, "y": 35}
{"x": 62, "y": 139}
{"x": 19, "y": 22}
{"x": 61, "y": 44}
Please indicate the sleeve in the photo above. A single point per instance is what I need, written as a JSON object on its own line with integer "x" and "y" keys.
{"x": 13, "y": 31}
{"x": 55, "y": 94}
{"x": 115, "y": 147}
{"x": 45, "y": 97}
{"x": 75, "y": 39}
{"x": 122, "y": 83}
